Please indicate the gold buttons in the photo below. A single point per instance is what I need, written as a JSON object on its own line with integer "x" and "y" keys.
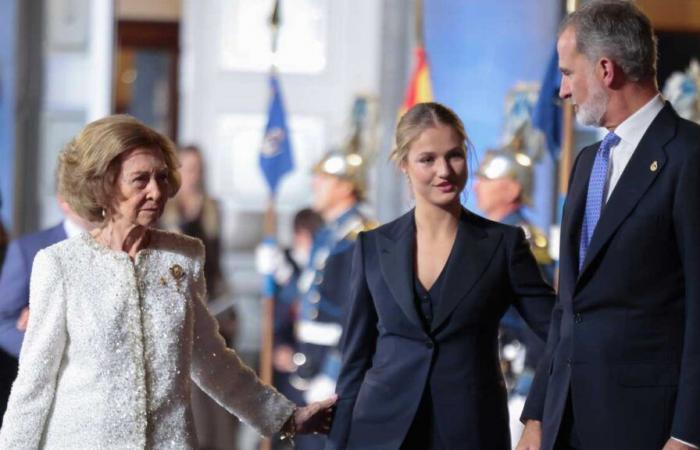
{"x": 315, "y": 297}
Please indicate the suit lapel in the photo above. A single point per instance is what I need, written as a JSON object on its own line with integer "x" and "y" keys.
{"x": 634, "y": 182}
{"x": 573, "y": 215}
{"x": 396, "y": 250}
{"x": 470, "y": 257}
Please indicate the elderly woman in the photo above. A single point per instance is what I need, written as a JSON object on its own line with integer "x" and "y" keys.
{"x": 118, "y": 325}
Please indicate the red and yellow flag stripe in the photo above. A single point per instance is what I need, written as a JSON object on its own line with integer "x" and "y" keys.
{"x": 419, "y": 89}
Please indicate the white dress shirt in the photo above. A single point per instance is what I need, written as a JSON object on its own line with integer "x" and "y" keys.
{"x": 71, "y": 228}
{"x": 630, "y": 132}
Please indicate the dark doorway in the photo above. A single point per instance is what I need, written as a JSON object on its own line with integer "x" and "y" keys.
{"x": 676, "y": 49}
{"x": 145, "y": 79}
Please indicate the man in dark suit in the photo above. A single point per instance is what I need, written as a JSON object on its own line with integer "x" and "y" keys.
{"x": 622, "y": 364}
{"x": 14, "y": 284}
{"x": 4, "y": 238}
{"x": 8, "y": 364}
{"x": 14, "y": 289}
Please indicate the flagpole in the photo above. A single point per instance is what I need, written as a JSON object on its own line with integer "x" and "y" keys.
{"x": 270, "y": 229}
{"x": 567, "y": 144}
{"x": 566, "y": 156}
{"x": 419, "y": 23}
{"x": 268, "y": 302}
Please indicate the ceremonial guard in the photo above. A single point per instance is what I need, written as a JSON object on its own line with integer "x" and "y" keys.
{"x": 312, "y": 290}
{"x": 323, "y": 284}
{"x": 509, "y": 172}
{"x": 339, "y": 187}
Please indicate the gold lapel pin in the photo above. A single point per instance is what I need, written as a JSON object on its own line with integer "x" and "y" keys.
{"x": 654, "y": 166}
{"x": 178, "y": 273}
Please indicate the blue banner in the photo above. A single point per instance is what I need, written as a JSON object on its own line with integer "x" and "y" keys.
{"x": 547, "y": 116}
{"x": 276, "y": 152}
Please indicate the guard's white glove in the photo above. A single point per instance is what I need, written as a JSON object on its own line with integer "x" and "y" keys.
{"x": 320, "y": 388}
{"x": 270, "y": 260}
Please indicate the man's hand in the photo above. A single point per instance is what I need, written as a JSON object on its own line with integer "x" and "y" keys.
{"x": 23, "y": 320}
{"x": 673, "y": 444}
{"x": 282, "y": 359}
{"x": 532, "y": 436}
{"x": 316, "y": 417}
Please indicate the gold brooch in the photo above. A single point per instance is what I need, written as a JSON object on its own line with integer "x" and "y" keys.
{"x": 178, "y": 273}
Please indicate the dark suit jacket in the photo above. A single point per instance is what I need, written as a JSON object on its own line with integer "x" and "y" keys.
{"x": 14, "y": 282}
{"x": 625, "y": 340}
{"x": 389, "y": 358}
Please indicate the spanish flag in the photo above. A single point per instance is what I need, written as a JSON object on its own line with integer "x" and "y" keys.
{"x": 419, "y": 89}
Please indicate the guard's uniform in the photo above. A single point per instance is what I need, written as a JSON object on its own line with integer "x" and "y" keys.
{"x": 323, "y": 286}
{"x": 513, "y": 327}
{"x": 324, "y": 290}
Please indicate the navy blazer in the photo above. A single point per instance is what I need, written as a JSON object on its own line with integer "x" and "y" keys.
{"x": 14, "y": 282}
{"x": 389, "y": 358}
{"x": 625, "y": 341}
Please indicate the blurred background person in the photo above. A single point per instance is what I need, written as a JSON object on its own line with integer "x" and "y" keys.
{"x": 306, "y": 224}
{"x": 339, "y": 187}
{"x": 8, "y": 364}
{"x": 286, "y": 266}
{"x": 4, "y": 237}
{"x": 195, "y": 213}
{"x": 14, "y": 287}
{"x": 503, "y": 188}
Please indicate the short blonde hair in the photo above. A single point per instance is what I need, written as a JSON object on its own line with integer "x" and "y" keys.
{"x": 418, "y": 119}
{"x": 89, "y": 164}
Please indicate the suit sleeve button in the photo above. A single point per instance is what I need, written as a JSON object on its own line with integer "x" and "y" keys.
{"x": 578, "y": 318}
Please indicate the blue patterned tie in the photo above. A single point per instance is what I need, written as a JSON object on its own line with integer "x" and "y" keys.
{"x": 596, "y": 190}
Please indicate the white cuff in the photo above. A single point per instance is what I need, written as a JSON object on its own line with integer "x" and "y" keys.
{"x": 684, "y": 443}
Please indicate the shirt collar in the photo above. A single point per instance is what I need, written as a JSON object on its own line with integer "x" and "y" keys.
{"x": 71, "y": 228}
{"x": 633, "y": 128}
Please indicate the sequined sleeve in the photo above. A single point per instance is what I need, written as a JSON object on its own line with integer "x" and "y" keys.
{"x": 44, "y": 342}
{"x": 220, "y": 373}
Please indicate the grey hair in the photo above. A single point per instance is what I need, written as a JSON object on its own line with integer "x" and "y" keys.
{"x": 616, "y": 29}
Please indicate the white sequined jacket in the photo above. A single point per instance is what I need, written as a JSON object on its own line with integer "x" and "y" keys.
{"x": 111, "y": 346}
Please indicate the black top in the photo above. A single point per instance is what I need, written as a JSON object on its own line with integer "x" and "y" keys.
{"x": 389, "y": 359}
{"x": 423, "y": 433}
{"x": 427, "y": 300}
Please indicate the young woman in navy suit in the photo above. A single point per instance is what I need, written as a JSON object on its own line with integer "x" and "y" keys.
{"x": 420, "y": 351}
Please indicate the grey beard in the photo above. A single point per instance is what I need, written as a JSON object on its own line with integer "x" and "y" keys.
{"x": 591, "y": 113}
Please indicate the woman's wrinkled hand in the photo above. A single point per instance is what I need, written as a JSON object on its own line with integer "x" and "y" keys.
{"x": 315, "y": 418}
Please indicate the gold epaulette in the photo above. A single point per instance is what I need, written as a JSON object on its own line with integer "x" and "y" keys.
{"x": 364, "y": 225}
{"x": 539, "y": 244}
